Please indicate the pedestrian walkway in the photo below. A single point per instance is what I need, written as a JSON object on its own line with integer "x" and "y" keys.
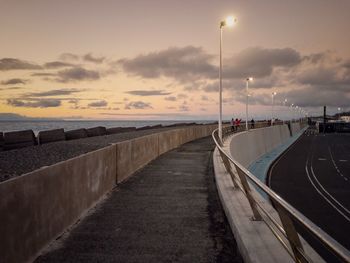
{"x": 169, "y": 211}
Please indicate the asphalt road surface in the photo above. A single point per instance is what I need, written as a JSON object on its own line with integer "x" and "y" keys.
{"x": 314, "y": 177}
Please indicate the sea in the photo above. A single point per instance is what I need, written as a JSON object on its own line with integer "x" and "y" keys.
{"x": 41, "y": 125}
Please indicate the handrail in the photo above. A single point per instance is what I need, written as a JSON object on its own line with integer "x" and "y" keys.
{"x": 286, "y": 212}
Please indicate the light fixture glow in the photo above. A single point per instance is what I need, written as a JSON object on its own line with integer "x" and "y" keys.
{"x": 230, "y": 21}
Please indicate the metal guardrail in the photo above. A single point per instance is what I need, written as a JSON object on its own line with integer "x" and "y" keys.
{"x": 286, "y": 232}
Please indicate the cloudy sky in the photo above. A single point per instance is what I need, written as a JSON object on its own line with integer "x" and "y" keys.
{"x": 158, "y": 59}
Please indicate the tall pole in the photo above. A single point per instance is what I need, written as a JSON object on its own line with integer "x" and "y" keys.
{"x": 272, "y": 109}
{"x": 246, "y": 105}
{"x": 220, "y": 88}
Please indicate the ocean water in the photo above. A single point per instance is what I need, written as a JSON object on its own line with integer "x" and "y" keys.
{"x": 40, "y": 125}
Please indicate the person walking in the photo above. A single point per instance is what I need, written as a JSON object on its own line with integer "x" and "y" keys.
{"x": 232, "y": 125}
{"x": 237, "y": 123}
{"x": 252, "y": 124}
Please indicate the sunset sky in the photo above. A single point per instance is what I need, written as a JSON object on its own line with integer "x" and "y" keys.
{"x": 158, "y": 59}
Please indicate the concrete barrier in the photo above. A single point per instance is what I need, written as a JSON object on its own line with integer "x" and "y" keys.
{"x": 246, "y": 147}
{"x": 51, "y": 136}
{"x": 295, "y": 128}
{"x": 120, "y": 129}
{"x": 134, "y": 154}
{"x": 96, "y": 131}
{"x": 37, "y": 207}
{"x": 19, "y": 139}
{"x": 76, "y": 134}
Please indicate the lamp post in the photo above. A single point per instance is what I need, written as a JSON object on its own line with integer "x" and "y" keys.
{"x": 229, "y": 21}
{"x": 273, "y": 102}
{"x": 246, "y": 105}
{"x": 296, "y": 112}
{"x": 284, "y": 104}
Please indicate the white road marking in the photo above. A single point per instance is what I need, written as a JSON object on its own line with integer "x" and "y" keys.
{"x": 324, "y": 197}
{"x": 343, "y": 160}
{"x": 334, "y": 164}
{"x": 322, "y": 159}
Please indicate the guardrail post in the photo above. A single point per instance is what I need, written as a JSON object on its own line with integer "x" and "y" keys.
{"x": 292, "y": 234}
{"x": 247, "y": 190}
{"x": 229, "y": 169}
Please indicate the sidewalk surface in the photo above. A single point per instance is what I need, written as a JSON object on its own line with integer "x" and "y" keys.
{"x": 169, "y": 211}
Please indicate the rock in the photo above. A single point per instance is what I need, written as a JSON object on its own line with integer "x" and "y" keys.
{"x": 51, "y": 136}
{"x": 18, "y": 139}
{"x": 96, "y": 131}
{"x": 76, "y": 134}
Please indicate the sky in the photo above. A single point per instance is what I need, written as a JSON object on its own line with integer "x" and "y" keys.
{"x": 159, "y": 59}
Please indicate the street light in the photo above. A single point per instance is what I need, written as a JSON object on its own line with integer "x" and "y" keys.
{"x": 229, "y": 21}
{"x": 246, "y": 105}
{"x": 273, "y": 113}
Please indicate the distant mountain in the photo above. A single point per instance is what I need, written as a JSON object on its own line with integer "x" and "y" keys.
{"x": 17, "y": 117}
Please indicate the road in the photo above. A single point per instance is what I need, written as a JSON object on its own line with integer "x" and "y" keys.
{"x": 314, "y": 177}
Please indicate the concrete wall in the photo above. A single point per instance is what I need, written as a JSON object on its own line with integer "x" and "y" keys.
{"x": 37, "y": 207}
{"x": 295, "y": 127}
{"x": 134, "y": 154}
{"x": 260, "y": 141}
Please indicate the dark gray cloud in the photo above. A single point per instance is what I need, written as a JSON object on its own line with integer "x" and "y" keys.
{"x": 57, "y": 64}
{"x": 14, "y": 81}
{"x": 90, "y": 58}
{"x": 11, "y": 88}
{"x": 34, "y": 103}
{"x": 139, "y": 105}
{"x": 170, "y": 98}
{"x": 182, "y": 64}
{"x": 148, "y": 92}
{"x": 16, "y": 64}
{"x": 43, "y": 74}
{"x": 56, "y": 92}
{"x": 97, "y": 104}
{"x": 316, "y": 96}
{"x": 69, "y": 57}
{"x": 77, "y": 74}
{"x": 189, "y": 63}
{"x": 259, "y": 62}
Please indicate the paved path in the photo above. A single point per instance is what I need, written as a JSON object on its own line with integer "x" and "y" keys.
{"x": 167, "y": 212}
{"x": 313, "y": 176}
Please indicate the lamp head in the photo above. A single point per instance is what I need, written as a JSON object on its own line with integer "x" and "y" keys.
{"x": 250, "y": 79}
{"x": 229, "y": 21}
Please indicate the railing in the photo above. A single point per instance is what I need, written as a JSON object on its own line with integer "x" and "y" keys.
{"x": 286, "y": 232}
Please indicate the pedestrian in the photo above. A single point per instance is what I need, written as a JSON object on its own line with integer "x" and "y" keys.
{"x": 252, "y": 124}
{"x": 237, "y": 123}
{"x": 232, "y": 125}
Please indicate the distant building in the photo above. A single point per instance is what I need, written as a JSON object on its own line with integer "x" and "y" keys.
{"x": 345, "y": 118}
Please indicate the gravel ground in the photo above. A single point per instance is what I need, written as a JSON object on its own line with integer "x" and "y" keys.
{"x": 20, "y": 161}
